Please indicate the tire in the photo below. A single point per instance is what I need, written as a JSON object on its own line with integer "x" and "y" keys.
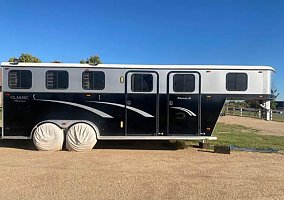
{"x": 48, "y": 137}
{"x": 81, "y": 137}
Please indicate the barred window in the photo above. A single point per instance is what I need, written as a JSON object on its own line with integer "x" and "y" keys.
{"x": 57, "y": 79}
{"x": 93, "y": 80}
{"x": 20, "y": 79}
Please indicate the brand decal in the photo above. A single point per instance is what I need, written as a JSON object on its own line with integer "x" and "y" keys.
{"x": 184, "y": 98}
{"x": 19, "y": 97}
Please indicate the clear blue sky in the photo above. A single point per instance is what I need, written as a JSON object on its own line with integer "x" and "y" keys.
{"x": 239, "y": 32}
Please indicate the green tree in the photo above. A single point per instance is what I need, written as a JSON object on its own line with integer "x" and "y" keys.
{"x": 92, "y": 60}
{"x": 25, "y": 57}
{"x": 273, "y": 103}
{"x": 256, "y": 103}
{"x": 12, "y": 59}
{"x": 253, "y": 104}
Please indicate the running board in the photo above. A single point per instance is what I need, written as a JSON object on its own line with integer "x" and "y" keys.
{"x": 15, "y": 137}
{"x": 136, "y": 137}
{"x": 157, "y": 138}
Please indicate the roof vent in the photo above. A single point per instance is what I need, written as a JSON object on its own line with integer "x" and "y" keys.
{"x": 94, "y": 63}
{"x": 15, "y": 61}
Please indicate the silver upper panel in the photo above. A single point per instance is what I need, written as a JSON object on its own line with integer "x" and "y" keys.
{"x": 212, "y": 78}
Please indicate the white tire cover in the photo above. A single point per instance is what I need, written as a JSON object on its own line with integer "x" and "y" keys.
{"x": 80, "y": 137}
{"x": 48, "y": 137}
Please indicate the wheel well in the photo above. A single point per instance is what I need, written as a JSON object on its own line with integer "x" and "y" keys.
{"x": 40, "y": 123}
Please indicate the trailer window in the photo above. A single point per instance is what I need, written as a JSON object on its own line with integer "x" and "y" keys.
{"x": 57, "y": 79}
{"x": 184, "y": 83}
{"x": 141, "y": 82}
{"x": 236, "y": 81}
{"x": 20, "y": 79}
{"x": 93, "y": 80}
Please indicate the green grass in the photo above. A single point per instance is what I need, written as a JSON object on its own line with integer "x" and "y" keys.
{"x": 245, "y": 137}
{"x": 241, "y": 136}
{"x": 278, "y": 117}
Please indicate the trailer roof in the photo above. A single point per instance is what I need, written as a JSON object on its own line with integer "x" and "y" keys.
{"x": 137, "y": 66}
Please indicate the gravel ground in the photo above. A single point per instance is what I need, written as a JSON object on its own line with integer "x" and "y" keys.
{"x": 264, "y": 127}
{"x": 147, "y": 173}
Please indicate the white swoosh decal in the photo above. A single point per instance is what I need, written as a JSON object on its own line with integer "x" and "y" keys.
{"x": 98, "y": 112}
{"x": 189, "y": 112}
{"x": 141, "y": 112}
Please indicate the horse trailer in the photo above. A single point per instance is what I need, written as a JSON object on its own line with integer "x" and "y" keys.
{"x": 82, "y": 103}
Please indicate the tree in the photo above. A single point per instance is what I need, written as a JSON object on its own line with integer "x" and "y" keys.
{"x": 12, "y": 59}
{"x": 25, "y": 57}
{"x": 256, "y": 103}
{"x": 273, "y": 103}
{"x": 93, "y": 60}
{"x": 253, "y": 104}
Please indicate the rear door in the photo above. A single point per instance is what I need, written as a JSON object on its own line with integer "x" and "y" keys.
{"x": 141, "y": 102}
{"x": 184, "y": 105}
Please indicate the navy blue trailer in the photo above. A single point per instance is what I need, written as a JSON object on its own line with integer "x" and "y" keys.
{"x": 127, "y": 102}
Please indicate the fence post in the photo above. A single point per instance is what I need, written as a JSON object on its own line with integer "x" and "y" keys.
{"x": 227, "y": 110}
{"x": 267, "y": 111}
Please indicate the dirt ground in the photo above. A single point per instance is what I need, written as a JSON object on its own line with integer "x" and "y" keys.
{"x": 137, "y": 172}
{"x": 264, "y": 127}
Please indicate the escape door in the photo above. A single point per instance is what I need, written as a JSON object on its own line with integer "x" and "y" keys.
{"x": 184, "y": 104}
{"x": 141, "y": 100}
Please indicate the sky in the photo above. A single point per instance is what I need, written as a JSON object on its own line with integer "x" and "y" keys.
{"x": 230, "y": 32}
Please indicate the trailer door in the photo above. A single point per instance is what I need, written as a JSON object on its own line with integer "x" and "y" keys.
{"x": 184, "y": 105}
{"x": 141, "y": 100}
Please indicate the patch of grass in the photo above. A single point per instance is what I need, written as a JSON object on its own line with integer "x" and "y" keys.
{"x": 278, "y": 117}
{"x": 245, "y": 137}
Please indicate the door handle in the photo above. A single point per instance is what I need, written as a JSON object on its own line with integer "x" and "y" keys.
{"x": 128, "y": 102}
{"x": 171, "y": 103}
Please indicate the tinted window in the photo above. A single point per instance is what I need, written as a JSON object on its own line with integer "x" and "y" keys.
{"x": 57, "y": 79}
{"x": 141, "y": 82}
{"x": 93, "y": 80}
{"x": 20, "y": 79}
{"x": 184, "y": 82}
{"x": 236, "y": 82}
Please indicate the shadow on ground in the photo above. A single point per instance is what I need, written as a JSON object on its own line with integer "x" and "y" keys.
{"x": 141, "y": 145}
{"x": 107, "y": 144}
{"x": 18, "y": 144}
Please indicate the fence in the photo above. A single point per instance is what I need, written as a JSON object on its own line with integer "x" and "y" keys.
{"x": 251, "y": 112}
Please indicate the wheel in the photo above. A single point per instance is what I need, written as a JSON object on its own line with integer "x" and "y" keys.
{"x": 48, "y": 137}
{"x": 81, "y": 137}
